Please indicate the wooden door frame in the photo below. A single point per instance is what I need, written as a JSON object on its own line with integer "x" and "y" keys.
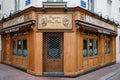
{"x": 61, "y": 55}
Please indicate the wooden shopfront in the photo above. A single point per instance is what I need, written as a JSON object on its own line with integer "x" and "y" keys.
{"x": 57, "y": 42}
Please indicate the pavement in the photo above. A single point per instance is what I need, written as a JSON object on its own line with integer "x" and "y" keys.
{"x": 111, "y": 72}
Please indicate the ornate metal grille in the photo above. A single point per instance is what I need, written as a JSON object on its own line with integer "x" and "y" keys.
{"x": 52, "y": 52}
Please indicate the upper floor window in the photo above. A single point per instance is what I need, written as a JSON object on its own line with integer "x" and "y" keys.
{"x": 17, "y": 5}
{"x": 54, "y": 0}
{"x": 88, "y": 4}
{"x": 0, "y": 6}
{"x": 109, "y": 6}
{"x": 119, "y": 15}
{"x": 27, "y": 2}
{"x": 91, "y": 5}
{"x": 109, "y": 2}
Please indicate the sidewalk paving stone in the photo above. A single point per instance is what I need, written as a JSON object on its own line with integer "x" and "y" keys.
{"x": 111, "y": 72}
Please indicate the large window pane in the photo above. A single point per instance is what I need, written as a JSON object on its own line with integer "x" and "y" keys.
{"x": 25, "y": 48}
{"x": 105, "y": 46}
{"x": 95, "y": 47}
{"x": 54, "y": 0}
{"x": 85, "y": 52}
{"x": 19, "y": 47}
{"x": 108, "y": 46}
{"x": 91, "y": 5}
{"x": 14, "y": 48}
{"x": 59, "y": 0}
{"x": 50, "y": 0}
{"x": 54, "y": 47}
{"x": 90, "y": 47}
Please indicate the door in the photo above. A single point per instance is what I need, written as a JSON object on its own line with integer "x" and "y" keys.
{"x": 7, "y": 49}
{"x": 107, "y": 50}
{"x": 53, "y": 52}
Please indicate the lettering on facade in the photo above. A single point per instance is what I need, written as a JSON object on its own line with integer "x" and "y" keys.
{"x": 28, "y": 16}
{"x": 55, "y": 21}
{"x": 12, "y": 30}
{"x": 13, "y": 21}
{"x": 104, "y": 32}
{"x": 97, "y": 22}
{"x": 82, "y": 16}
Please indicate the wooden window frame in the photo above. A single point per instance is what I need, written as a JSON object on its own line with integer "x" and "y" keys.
{"x": 107, "y": 44}
{"x": 16, "y": 37}
{"x": 90, "y": 36}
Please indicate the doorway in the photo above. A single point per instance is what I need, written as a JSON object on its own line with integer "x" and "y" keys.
{"x": 53, "y": 52}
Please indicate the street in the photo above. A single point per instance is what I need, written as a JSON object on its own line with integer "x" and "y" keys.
{"x": 111, "y": 72}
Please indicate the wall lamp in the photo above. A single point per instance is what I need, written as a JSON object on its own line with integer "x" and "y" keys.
{"x": 106, "y": 17}
{"x": 43, "y": 9}
{"x": 4, "y": 16}
{"x": 112, "y": 20}
{"x": 11, "y": 13}
{"x": 100, "y": 14}
{"x": 65, "y": 8}
{"x": 116, "y": 22}
{"x": 95, "y": 14}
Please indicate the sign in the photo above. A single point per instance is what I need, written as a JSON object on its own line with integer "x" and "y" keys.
{"x": 83, "y": 3}
{"x": 13, "y": 21}
{"x": 97, "y": 22}
{"x": 104, "y": 32}
{"x": 55, "y": 21}
{"x": 12, "y": 30}
{"x": 27, "y": 2}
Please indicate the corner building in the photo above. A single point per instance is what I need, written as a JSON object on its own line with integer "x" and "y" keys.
{"x": 57, "y": 42}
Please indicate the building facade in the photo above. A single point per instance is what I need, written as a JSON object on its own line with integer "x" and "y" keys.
{"x": 57, "y": 42}
{"x": 61, "y": 40}
{"x": 110, "y": 10}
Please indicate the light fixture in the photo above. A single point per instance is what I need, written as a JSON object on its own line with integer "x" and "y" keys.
{"x": 43, "y": 9}
{"x": 116, "y": 22}
{"x": 95, "y": 14}
{"x": 100, "y": 14}
{"x": 65, "y": 9}
{"x": 106, "y": 17}
{"x": 11, "y": 13}
{"x": 112, "y": 20}
{"x": 4, "y": 16}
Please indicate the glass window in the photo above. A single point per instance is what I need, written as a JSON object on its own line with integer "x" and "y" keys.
{"x": 53, "y": 47}
{"x": 85, "y": 52}
{"x": 19, "y": 47}
{"x": 50, "y": 0}
{"x": 95, "y": 47}
{"x": 25, "y": 48}
{"x": 108, "y": 47}
{"x": 14, "y": 48}
{"x": 90, "y": 47}
{"x": 27, "y": 2}
{"x": 59, "y": 0}
{"x": 91, "y": 5}
{"x": 54, "y": 0}
{"x": 17, "y": 4}
{"x": 0, "y": 6}
{"x": 105, "y": 46}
